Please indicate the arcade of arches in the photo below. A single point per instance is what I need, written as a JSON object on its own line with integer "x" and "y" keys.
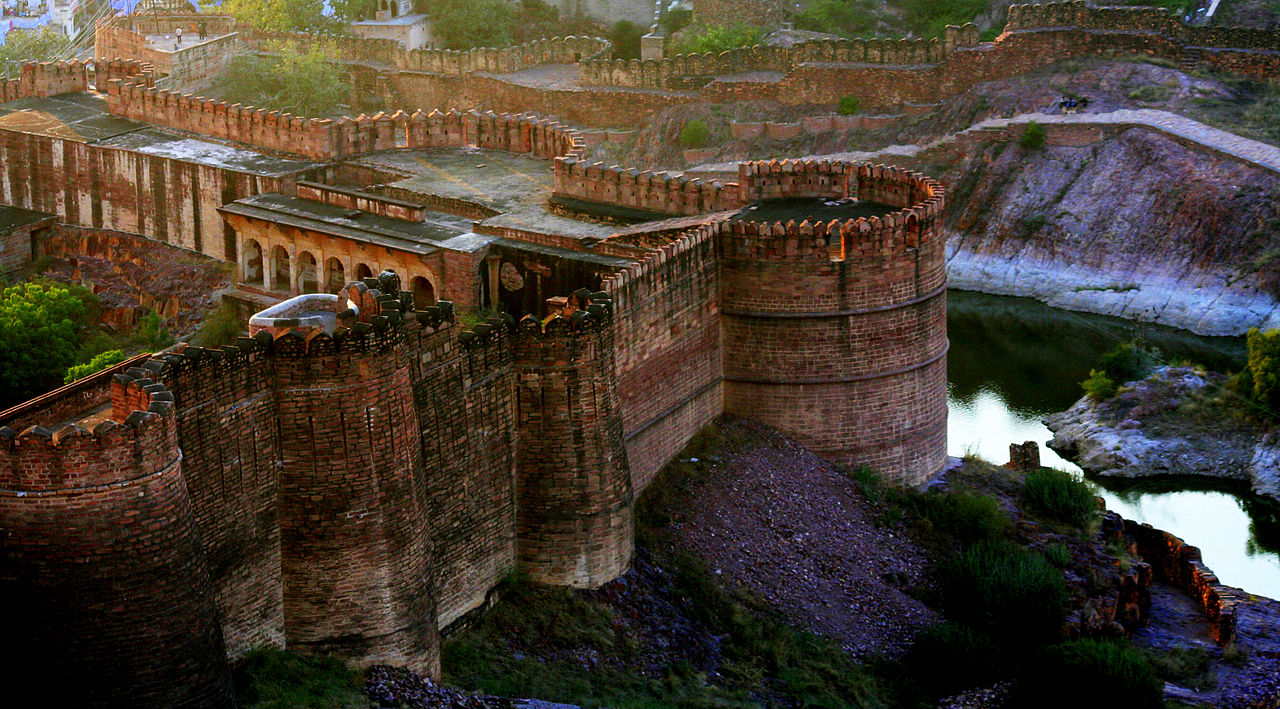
{"x": 289, "y": 265}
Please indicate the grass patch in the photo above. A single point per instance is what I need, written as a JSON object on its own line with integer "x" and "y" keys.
{"x": 1056, "y": 494}
{"x": 276, "y": 679}
{"x": 1006, "y": 591}
{"x": 1089, "y": 673}
{"x": 695, "y": 134}
{"x": 1150, "y": 93}
{"x": 1184, "y": 666}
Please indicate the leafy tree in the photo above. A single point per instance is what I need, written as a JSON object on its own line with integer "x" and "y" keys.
{"x": 39, "y": 325}
{"x": 929, "y": 18}
{"x": 719, "y": 39}
{"x": 1033, "y": 136}
{"x": 626, "y": 40}
{"x": 97, "y": 364}
{"x": 843, "y": 17}
{"x": 1260, "y": 379}
{"x": 354, "y": 10}
{"x": 276, "y": 15}
{"x": 464, "y": 24}
{"x": 302, "y": 82}
{"x": 41, "y": 45}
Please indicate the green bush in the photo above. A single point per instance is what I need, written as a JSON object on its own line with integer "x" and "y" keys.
{"x": 1057, "y": 554}
{"x": 1126, "y": 362}
{"x": 296, "y": 80}
{"x": 1089, "y": 673}
{"x": 695, "y": 134}
{"x": 1033, "y": 136}
{"x": 842, "y": 17}
{"x": 97, "y": 364}
{"x": 40, "y": 327}
{"x": 151, "y": 333}
{"x": 947, "y": 657}
{"x": 703, "y": 40}
{"x": 1259, "y": 381}
{"x": 220, "y": 327}
{"x": 849, "y": 105}
{"x": 967, "y": 516}
{"x": 1006, "y": 591}
{"x": 1058, "y": 495}
{"x": 929, "y": 18}
{"x": 1098, "y": 386}
{"x": 626, "y": 40}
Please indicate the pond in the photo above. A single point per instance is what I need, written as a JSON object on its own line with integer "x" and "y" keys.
{"x": 1014, "y": 360}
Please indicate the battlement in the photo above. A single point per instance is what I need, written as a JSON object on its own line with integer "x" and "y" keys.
{"x": 554, "y": 50}
{"x": 138, "y": 439}
{"x": 1159, "y": 20}
{"x": 41, "y": 79}
{"x": 325, "y": 139}
{"x": 657, "y": 192}
{"x": 678, "y": 71}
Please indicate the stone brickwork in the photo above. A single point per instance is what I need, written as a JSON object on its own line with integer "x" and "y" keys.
{"x": 1177, "y": 563}
{"x": 669, "y": 353}
{"x": 655, "y": 192}
{"x": 40, "y": 79}
{"x": 766, "y": 13}
{"x": 102, "y": 555}
{"x": 836, "y": 332}
{"x": 188, "y": 65}
{"x": 555, "y": 50}
{"x": 574, "y": 488}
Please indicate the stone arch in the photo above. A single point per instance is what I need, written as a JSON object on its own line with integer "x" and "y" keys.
{"x": 308, "y": 273}
{"x": 335, "y": 276}
{"x": 363, "y": 271}
{"x": 424, "y": 293}
{"x": 280, "y": 268}
{"x": 251, "y": 269}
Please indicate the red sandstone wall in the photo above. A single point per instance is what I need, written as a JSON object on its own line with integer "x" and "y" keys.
{"x": 660, "y": 192}
{"x": 227, "y": 427}
{"x": 464, "y": 394}
{"x": 573, "y": 489}
{"x": 102, "y": 557}
{"x": 40, "y": 79}
{"x": 667, "y": 338}
{"x": 99, "y": 187}
{"x": 355, "y": 548}
{"x": 1178, "y": 563}
{"x": 555, "y": 50}
{"x": 836, "y": 333}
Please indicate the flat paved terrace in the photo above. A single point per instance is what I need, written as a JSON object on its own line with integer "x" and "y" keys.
{"x": 515, "y": 185}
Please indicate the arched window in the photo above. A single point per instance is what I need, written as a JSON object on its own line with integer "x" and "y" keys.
{"x": 308, "y": 276}
{"x": 334, "y": 275}
{"x": 424, "y": 295}
{"x": 279, "y": 269}
{"x": 363, "y": 271}
{"x": 252, "y": 268}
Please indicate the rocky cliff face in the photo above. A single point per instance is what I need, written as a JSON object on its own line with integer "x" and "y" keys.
{"x": 1136, "y": 226}
{"x": 1147, "y": 430}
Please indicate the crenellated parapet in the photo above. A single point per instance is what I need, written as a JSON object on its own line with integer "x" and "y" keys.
{"x": 1122, "y": 19}
{"x": 41, "y": 79}
{"x": 645, "y": 190}
{"x": 102, "y": 553}
{"x": 553, "y": 50}
{"x": 574, "y": 489}
{"x": 689, "y": 71}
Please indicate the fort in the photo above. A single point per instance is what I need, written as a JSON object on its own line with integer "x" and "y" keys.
{"x": 360, "y": 473}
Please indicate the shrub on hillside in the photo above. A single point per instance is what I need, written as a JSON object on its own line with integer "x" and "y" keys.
{"x": 1099, "y": 386}
{"x": 702, "y": 40}
{"x": 695, "y": 134}
{"x": 947, "y": 657}
{"x": 1058, "y": 495}
{"x": 1259, "y": 381}
{"x": 1089, "y": 673}
{"x": 842, "y": 17}
{"x": 849, "y": 105}
{"x": 99, "y": 362}
{"x": 969, "y": 517}
{"x": 625, "y": 38}
{"x": 39, "y": 332}
{"x": 1033, "y": 136}
{"x": 1006, "y": 591}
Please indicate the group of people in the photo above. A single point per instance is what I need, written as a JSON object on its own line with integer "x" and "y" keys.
{"x": 1070, "y": 104}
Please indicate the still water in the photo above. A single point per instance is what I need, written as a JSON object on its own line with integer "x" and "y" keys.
{"x": 1014, "y": 360}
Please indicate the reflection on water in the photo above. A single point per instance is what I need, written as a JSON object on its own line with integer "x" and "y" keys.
{"x": 1013, "y": 361}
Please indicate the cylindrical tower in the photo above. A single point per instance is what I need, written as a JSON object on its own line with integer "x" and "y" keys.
{"x": 573, "y": 486}
{"x": 107, "y": 590}
{"x": 355, "y": 544}
{"x": 836, "y": 333}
